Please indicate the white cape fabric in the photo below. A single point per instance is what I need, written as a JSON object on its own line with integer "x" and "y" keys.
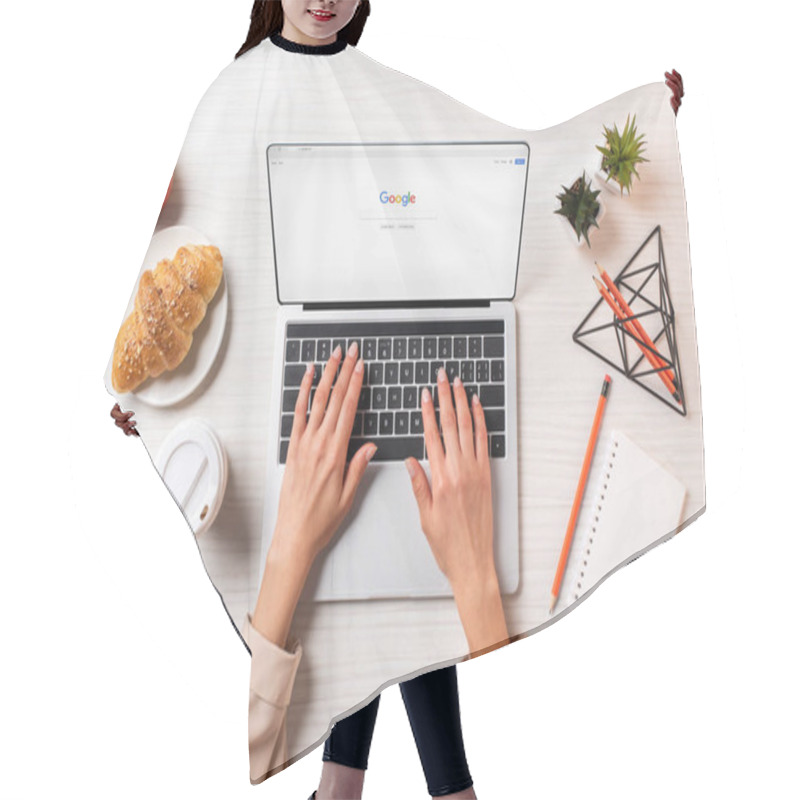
{"x": 352, "y": 650}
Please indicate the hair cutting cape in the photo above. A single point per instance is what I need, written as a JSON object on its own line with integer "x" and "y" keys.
{"x": 567, "y": 340}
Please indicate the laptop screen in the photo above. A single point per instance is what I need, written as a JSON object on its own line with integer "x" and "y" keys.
{"x": 396, "y": 222}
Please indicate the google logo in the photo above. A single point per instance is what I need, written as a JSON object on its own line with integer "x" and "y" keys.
{"x": 400, "y": 199}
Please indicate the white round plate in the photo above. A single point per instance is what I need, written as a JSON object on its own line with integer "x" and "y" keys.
{"x": 173, "y": 386}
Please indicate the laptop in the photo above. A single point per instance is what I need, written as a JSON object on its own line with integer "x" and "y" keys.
{"x": 411, "y": 250}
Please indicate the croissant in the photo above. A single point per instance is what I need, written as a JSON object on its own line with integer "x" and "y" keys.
{"x": 171, "y": 301}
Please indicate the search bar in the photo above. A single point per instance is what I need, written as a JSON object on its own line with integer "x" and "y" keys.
{"x": 398, "y": 216}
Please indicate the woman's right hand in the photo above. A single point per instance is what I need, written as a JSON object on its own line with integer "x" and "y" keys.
{"x": 319, "y": 485}
{"x": 456, "y": 510}
{"x": 317, "y": 491}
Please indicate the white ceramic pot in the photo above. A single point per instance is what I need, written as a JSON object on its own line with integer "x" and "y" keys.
{"x": 606, "y": 183}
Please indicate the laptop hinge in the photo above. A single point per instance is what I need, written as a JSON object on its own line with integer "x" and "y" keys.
{"x": 396, "y": 304}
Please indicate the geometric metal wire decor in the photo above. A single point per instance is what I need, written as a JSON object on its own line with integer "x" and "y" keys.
{"x": 643, "y": 283}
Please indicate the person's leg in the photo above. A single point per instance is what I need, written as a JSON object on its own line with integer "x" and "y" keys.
{"x": 346, "y": 754}
{"x": 433, "y": 710}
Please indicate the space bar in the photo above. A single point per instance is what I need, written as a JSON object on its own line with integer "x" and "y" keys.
{"x": 391, "y": 448}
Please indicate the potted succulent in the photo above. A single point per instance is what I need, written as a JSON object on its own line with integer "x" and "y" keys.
{"x": 580, "y": 207}
{"x": 621, "y": 153}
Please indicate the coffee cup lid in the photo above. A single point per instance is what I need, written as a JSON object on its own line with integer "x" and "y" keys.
{"x": 194, "y": 467}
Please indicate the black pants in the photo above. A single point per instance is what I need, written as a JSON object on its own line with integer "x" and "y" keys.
{"x": 432, "y": 706}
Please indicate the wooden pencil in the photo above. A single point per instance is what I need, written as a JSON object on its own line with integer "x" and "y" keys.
{"x": 643, "y": 335}
{"x": 628, "y": 325}
{"x": 576, "y": 503}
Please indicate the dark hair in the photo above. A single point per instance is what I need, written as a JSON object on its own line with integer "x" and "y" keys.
{"x": 266, "y": 18}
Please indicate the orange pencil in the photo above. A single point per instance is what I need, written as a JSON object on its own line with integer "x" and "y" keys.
{"x": 576, "y": 503}
{"x": 617, "y": 295}
{"x": 629, "y": 327}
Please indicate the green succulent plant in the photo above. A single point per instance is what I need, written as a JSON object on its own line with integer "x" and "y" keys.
{"x": 622, "y": 152}
{"x": 579, "y": 204}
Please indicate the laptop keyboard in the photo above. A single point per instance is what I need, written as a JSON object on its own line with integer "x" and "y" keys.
{"x": 400, "y": 359}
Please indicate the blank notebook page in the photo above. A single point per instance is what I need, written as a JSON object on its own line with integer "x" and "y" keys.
{"x": 637, "y": 503}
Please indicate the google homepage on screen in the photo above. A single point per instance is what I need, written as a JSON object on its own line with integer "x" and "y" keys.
{"x": 397, "y": 222}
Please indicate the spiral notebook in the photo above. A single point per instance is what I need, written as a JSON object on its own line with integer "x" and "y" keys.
{"x": 636, "y": 505}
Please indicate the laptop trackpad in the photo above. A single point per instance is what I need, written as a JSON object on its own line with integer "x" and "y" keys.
{"x": 380, "y": 549}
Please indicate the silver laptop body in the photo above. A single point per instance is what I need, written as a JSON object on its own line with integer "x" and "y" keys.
{"x": 412, "y": 250}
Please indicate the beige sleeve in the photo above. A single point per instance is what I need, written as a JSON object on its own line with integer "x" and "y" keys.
{"x": 272, "y": 674}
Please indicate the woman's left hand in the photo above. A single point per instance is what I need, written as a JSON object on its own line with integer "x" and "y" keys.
{"x": 318, "y": 486}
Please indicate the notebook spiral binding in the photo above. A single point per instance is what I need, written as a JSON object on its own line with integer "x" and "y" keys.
{"x": 596, "y": 511}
